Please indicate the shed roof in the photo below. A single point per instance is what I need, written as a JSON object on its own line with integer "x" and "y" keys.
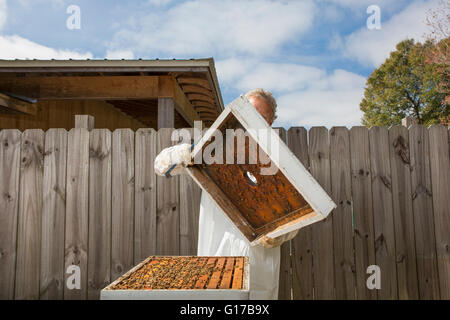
{"x": 196, "y": 77}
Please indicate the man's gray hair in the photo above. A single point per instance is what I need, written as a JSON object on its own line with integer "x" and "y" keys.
{"x": 266, "y": 95}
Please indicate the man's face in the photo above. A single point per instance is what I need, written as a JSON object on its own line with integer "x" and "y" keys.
{"x": 263, "y": 108}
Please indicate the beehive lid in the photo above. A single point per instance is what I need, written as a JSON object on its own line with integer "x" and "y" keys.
{"x": 260, "y": 205}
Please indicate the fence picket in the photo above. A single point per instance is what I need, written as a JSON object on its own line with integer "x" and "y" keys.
{"x": 322, "y": 232}
{"x": 403, "y": 214}
{"x": 30, "y": 215}
{"x": 423, "y": 203}
{"x": 440, "y": 178}
{"x": 9, "y": 205}
{"x": 285, "y": 283}
{"x": 362, "y": 210}
{"x": 77, "y": 214}
{"x": 190, "y": 196}
{"x": 301, "y": 245}
{"x": 344, "y": 259}
{"x": 383, "y": 212}
{"x": 122, "y": 221}
{"x": 168, "y": 206}
{"x": 145, "y": 195}
{"x": 53, "y": 215}
{"x": 99, "y": 259}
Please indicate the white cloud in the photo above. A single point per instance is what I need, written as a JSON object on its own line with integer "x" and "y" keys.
{"x": 210, "y": 27}
{"x": 328, "y": 108}
{"x": 360, "y": 3}
{"x": 16, "y": 47}
{"x": 372, "y": 47}
{"x": 229, "y": 70}
{"x": 331, "y": 100}
{"x": 337, "y": 11}
{"x": 54, "y": 3}
{"x": 119, "y": 54}
{"x": 306, "y": 96}
{"x": 357, "y": 5}
{"x": 281, "y": 77}
{"x": 3, "y": 13}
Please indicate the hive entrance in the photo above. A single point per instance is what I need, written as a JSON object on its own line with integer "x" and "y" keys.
{"x": 251, "y": 180}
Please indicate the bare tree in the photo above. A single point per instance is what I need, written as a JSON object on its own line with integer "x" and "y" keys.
{"x": 438, "y": 21}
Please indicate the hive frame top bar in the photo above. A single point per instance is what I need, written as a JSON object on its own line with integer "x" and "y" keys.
{"x": 179, "y": 294}
{"x": 245, "y": 284}
{"x": 286, "y": 161}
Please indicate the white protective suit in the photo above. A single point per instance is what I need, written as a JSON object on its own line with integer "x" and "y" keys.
{"x": 219, "y": 237}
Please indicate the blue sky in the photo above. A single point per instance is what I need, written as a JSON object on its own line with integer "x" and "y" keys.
{"x": 315, "y": 56}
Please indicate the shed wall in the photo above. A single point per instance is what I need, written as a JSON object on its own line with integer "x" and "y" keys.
{"x": 61, "y": 114}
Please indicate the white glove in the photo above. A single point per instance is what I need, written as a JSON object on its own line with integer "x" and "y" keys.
{"x": 179, "y": 155}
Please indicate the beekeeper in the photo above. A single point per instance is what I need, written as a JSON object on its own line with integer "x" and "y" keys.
{"x": 217, "y": 235}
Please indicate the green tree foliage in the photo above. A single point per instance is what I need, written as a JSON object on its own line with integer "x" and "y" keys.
{"x": 404, "y": 85}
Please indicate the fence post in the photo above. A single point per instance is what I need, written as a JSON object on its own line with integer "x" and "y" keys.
{"x": 409, "y": 121}
{"x": 166, "y": 113}
{"x": 84, "y": 121}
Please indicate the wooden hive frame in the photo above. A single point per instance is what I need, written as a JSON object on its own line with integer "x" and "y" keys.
{"x": 212, "y": 278}
{"x": 287, "y": 201}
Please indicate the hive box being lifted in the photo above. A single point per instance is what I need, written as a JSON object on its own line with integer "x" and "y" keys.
{"x": 259, "y": 205}
{"x": 183, "y": 278}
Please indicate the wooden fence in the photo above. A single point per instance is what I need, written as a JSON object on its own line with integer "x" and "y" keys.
{"x": 91, "y": 199}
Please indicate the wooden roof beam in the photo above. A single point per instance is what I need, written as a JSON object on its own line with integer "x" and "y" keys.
{"x": 196, "y": 81}
{"x": 197, "y": 89}
{"x": 183, "y": 105}
{"x": 11, "y": 105}
{"x": 206, "y": 109}
{"x": 200, "y": 97}
{"x": 84, "y": 87}
{"x": 102, "y": 88}
{"x": 211, "y": 113}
